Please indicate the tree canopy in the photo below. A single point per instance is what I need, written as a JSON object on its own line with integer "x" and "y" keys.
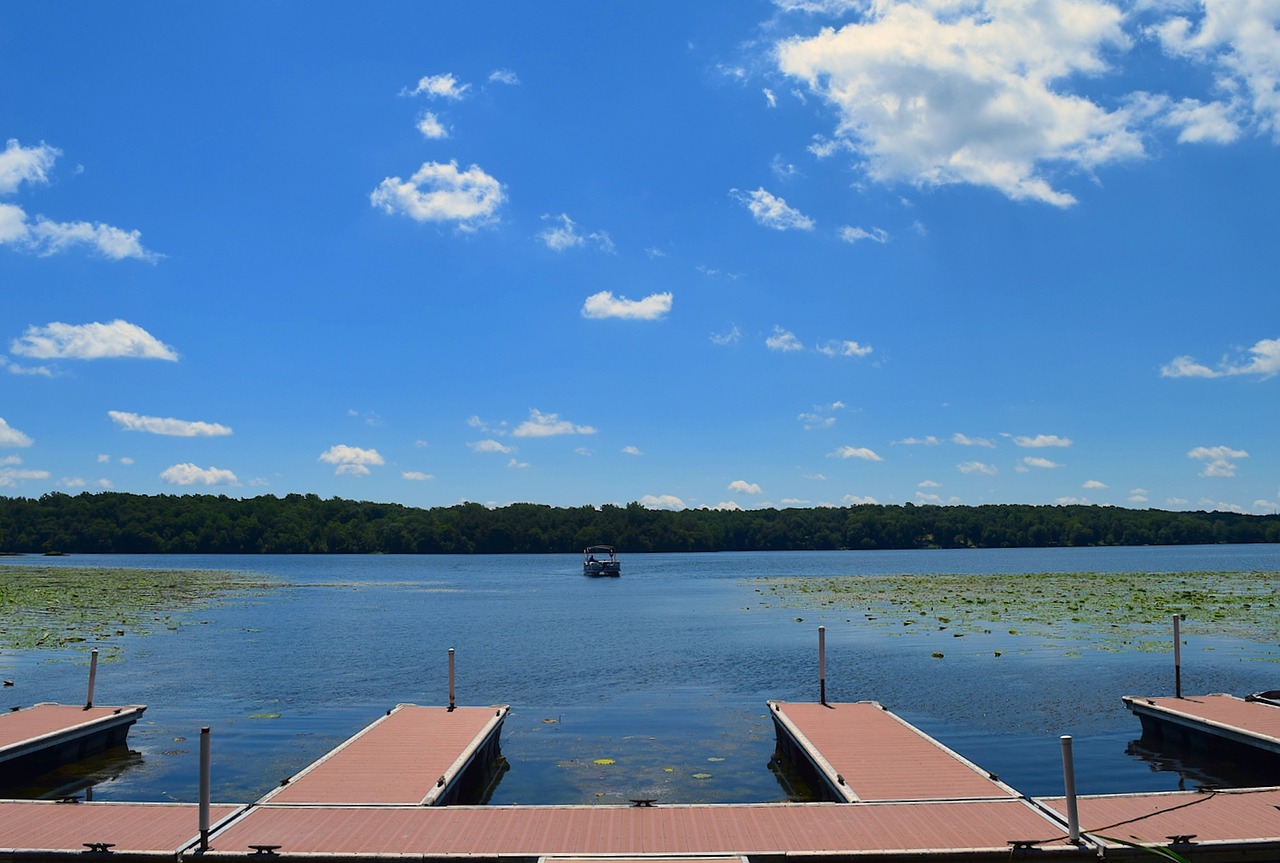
{"x": 111, "y": 522}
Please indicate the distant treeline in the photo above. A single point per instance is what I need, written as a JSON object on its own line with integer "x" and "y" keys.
{"x": 111, "y": 522}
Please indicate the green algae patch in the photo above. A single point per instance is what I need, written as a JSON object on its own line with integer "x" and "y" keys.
{"x": 1110, "y": 611}
{"x": 57, "y": 607}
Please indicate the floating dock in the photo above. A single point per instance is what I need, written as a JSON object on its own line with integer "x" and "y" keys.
{"x": 39, "y": 738}
{"x": 420, "y": 756}
{"x": 1210, "y": 722}
{"x": 908, "y": 798}
{"x": 862, "y": 752}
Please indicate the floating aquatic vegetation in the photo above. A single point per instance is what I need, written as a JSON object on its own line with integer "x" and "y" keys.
{"x": 604, "y": 761}
{"x": 1111, "y": 611}
{"x": 52, "y": 607}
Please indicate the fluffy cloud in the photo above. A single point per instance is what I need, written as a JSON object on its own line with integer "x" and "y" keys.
{"x": 1219, "y": 461}
{"x": 772, "y": 211}
{"x": 189, "y": 474}
{"x": 977, "y": 467}
{"x": 1093, "y": 484}
{"x": 1240, "y": 43}
{"x": 10, "y": 476}
{"x": 440, "y": 87}
{"x": 439, "y": 192}
{"x": 20, "y": 165}
{"x": 854, "y": 452}
{"x": 631, "y": 450}
{"x": 661, "y": 501}
{"x": 564, "y": 235}
{"x": 491, "y": 446}
{"x": 91, "y": 342}
{"x": 548, "y": 425}
{"x": 1264, "y": 361}
{"x": 10, "y": 436}
{"x": 741, "y": 486}
{"x": 1042, "y": 440}
{"x": 732, "y": 337}
{"x": 415, "y": 475}
{"x": 928, "y": 440}
{"x": 965, "y": 440}
{"x": 1031, "y": 461}
{"x": 46, "y": 237}
{"x": 853, "y": 235}
{"x": 431, "y": 127}
{"x": 606, "y": 305}
{"x": 938, "y": 93}
{"x": 168, "y": 425}
{"x": 783, "y": 340}
{"x": 844, "y": 348}
{"x": 351, "y": 460}
{"x": 503, "y": 76}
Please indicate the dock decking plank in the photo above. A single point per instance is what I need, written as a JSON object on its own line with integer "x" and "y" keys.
{"x": 1225, "y": 816}
{"x": 401, "y": 758}
{"x": 139, "y": 828}
{"x": 880, "y": 756}
{"x": 1249, "y": 723}
{"x": 25, "y": 731}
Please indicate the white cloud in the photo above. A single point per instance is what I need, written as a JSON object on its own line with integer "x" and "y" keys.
{"x": 814, "y": 421}
{"x": 168, "y": 426}
{"x": 605, "y": 305}
{"x": 661, "y": 501}
{"x": 1094, "y": 484}
{"x": 548, "y": 425}
{"x": 769, "y": 98}
{"x": 741, "y": 486}
{"x": 936, "y": 499}
{"x": 565, "y": 235}
{"x": 189, "y": 474}
{"x": 503, "y": 76}
{"x": 935, "y": 93}
{"x": 1219, "y": 460}
{"x": 431, "y": 127}
{"x": 631, "y": 450}
{"x": 977, "y": 467}
{"x": 928, "y": 440}
{"x": 10, "y": 436}
{"x": 858, "y": 500}
{"x": 727, "y": 506}
{"x": 12, "y": 476}
{"x": 783, "y": 340}
{"x": 833, "y": 8}
{"x": 443, "y": 86}
{"x": 417, "y": 476}
{"x": 91, "y": 342}
{"x": 15, "y": 369}
{"x": 732, "y": 337}
{"x": 1138, "y": 495}
{"x": 852, "y": 235}
{"x": 439, "y": 192}
{"x": 854, "y": 452}
{"x": 1031, "y": 461}
{"x": 928, "y": 483}
{"x": 516, "y": 464}
{"x": 772, "y": 211}
{"x": 1265, "y": 361}
{"x": 1042, "y": 440}
{"x": 1240, "y": 43}
{"x": 46, "y": 237}
{"x": 965, "y": 440}
{"x": 491, "y": 446}
{"x": 844, "y": 348}
{"x": 73, "y": 482}
{"x": 20, "y": 165}
{"x": 351, "y": 460}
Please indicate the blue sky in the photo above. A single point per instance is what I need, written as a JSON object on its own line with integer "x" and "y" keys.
{"x": 791, "y": 253}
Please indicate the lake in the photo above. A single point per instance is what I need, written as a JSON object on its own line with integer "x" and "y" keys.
{"x": 648, "y": 685}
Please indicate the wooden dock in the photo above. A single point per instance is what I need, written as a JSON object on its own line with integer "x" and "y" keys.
{"x": 39, "y": 738}
{"x": 863, "y": 752}
{"x": 1210, "y": 721}
{"x": 909, "y": 798}
{"x": 413, "y": 755}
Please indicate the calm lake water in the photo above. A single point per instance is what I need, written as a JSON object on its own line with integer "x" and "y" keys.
{"x": 664, "y": 671}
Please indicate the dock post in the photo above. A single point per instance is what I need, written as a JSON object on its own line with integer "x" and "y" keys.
{"x": 452, "y": 699}
{"x": 93, "y": 674}
{"x": 1177, "y": 657}
{"x": 822, "y": 665}
{"x": 204, "y": 788}
{"x": 1069, "y": 782}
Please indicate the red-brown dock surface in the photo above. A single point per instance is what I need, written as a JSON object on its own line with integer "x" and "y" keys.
{"x": 1241, "y": 820}
{"x": 867, "y": 753}
{"x": 412, "y": 755}
{"x": 63, "y": 732}
{"x": 982, "y": 829}
{"x": 32, "y": 828}
{"x": 1226, "y": 717}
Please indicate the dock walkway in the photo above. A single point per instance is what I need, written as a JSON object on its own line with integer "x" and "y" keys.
{"x": 1210, "y": 718}
{"x": 863, "y": 752}
{"x": 44, "y": 736}
{"x": 413, "y": 756}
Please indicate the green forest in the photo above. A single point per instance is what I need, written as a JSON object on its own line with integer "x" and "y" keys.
{"x": 110, "y": 522}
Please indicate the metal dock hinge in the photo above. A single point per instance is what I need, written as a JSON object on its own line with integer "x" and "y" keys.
{"x": 98, "y": 847}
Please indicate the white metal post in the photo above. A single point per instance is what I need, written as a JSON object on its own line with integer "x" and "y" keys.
{"x": 204, "y": 788}
{"x": 822, "y": 664}
{"x": 93, "y": 674}
{"x": 1177, "y": 656}
{"x": 1069, "y": 781}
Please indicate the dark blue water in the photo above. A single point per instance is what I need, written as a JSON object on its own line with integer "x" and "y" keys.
{"x": 663, "y": 672}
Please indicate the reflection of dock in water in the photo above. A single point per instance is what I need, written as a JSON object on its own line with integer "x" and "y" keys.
{"x": 390, "y": 792}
